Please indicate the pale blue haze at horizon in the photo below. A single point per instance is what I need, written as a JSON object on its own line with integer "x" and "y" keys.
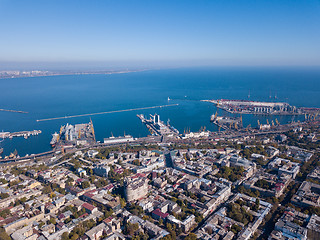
{"x": 159, "y": 32}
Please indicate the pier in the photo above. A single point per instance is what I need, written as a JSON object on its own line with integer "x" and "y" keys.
{"x": 24, "y": 134}
{"x": 226, "y": 122}
{"x": 9, "y": 110}
{"x": 259, "y": 108}
{"x": 157, "y": 127}
{"x": 100, "y": 113}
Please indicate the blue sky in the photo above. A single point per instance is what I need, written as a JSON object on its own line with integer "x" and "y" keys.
{"x": 163, "y": 32}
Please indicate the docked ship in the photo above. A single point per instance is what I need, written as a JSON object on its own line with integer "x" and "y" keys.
{"x": 54, "y": 140}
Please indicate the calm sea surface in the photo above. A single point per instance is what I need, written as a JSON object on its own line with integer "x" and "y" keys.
{"x": 46, "y": 97}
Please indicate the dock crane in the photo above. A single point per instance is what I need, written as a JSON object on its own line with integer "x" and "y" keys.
{"x": 277, "y": 122}
{"x": 215, "y": 115}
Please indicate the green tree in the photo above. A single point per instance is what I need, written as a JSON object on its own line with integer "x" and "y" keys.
{"x": 191, "y": 236}
{"x": 4, "y": 235}
{"x": 123, "y": 202}
{"x": 47, "y": 190}
{"x": 65, "y": 236}
{"x": 5, "y": 213}
{"x": 74, "y": 237}
{"x": 136, "y": 162}
{"x": 4, "y": 195}
{"x": 85, "y": 184}
{"x": 92, "y": 178}
{"x": 235, "y": 228}
{"x": 53, "y": 221}
{"x": 160, "y": 221}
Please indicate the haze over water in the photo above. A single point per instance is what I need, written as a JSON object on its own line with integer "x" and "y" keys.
{"x": 56, "y": 96}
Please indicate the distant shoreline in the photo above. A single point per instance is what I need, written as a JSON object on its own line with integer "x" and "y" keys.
{"x": 14, "y": 75}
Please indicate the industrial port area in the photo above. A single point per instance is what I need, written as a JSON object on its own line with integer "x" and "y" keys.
{"x": 158, "y": 127}
{"x": 239, "y": 182}
{"x": 264, "y": 108}
{"x": 79, "y": 134}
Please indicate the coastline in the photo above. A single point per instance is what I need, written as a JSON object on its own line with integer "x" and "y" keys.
{"x": 73, "y": 73}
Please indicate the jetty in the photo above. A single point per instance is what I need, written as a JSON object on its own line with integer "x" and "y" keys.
{"x": 158, "y": 127}
{"x": 99, "y": 113}
{"x": 9, "y": 110}
{"x": 24, "y": 134}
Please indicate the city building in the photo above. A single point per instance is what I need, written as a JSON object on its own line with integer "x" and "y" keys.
{"x": 136, "y": 187}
